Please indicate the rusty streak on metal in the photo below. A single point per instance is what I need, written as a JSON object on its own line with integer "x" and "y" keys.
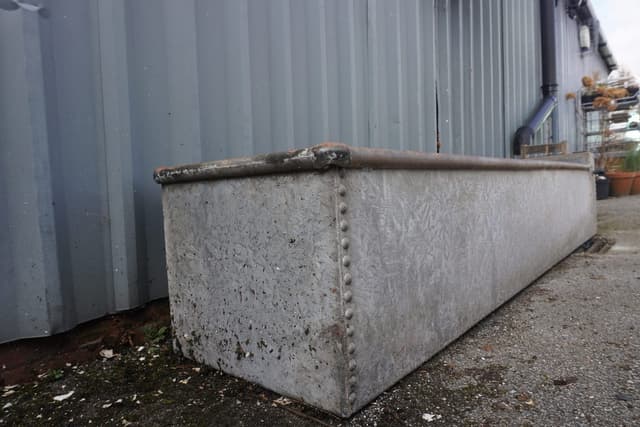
{"x": 331, "y": 154}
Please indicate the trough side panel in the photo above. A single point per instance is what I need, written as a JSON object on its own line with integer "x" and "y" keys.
{"x": 252, "y": 270}
{"x": 434, "y": 252}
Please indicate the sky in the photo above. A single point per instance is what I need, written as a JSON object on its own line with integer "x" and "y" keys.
{"x": 620, "y": 23}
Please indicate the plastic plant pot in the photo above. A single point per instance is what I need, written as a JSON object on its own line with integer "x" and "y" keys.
{"x": 621, "y": 182}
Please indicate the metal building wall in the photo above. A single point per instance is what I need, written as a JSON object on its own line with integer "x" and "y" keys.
{"x": 27, "y": 231}
{"x": 572, "y": 65}
{"x": 101, "y": 92}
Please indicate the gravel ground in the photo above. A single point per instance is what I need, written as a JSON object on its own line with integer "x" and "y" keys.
{"x": 565, "y": 351}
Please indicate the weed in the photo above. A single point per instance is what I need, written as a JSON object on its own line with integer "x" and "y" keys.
{"x": 154, "y": 334}
{"x": 54, "y": 375}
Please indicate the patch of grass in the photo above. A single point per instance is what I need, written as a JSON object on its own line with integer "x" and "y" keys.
{"x": 155, "y": 334}
{"x": 54, "y": 375}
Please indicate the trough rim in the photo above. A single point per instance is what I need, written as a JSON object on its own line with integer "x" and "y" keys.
{"x": 337, "y": 155}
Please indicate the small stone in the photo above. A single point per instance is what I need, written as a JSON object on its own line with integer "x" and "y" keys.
{"x": 562, "y": 381}
{"x": 107, "y": 353}
{"x": 62, "y": 397}
{"x": 624, "y": 397}
{"x": 502, "y": 406}
{"x": 431, "y": 417}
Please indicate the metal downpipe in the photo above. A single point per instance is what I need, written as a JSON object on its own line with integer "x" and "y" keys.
{"x": 525, "y": 134}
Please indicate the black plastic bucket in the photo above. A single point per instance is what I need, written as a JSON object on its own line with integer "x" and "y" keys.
{"x": 602, "y": 187}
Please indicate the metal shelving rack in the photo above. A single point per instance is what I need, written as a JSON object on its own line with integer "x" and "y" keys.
{"x": 615, "y": 131}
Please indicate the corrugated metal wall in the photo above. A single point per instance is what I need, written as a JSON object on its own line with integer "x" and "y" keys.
{"x": 101, "y": 92}
{"x": 572, "y": 65}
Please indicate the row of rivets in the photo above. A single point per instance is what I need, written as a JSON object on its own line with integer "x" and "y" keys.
{"x": 347, "y": 295}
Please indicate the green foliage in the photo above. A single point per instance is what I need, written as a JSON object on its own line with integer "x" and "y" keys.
{"x": 632, "y": 160}
{"x": 55, "y": 374}
{"x": 155, "y": 334}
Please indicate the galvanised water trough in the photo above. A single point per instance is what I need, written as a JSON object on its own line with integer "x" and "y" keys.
{"x": 327, "y": 274}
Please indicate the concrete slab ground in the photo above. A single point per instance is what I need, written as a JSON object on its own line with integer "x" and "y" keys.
{"x": 565, "y": 351}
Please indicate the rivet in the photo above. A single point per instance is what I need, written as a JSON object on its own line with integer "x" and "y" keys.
{"x": 345, "y": 243}
{"x": 347, "y": 279}
{"x": 344, "y": 226}
{"x": 352, "y": 365}
{"x": 353, "y": 380}
{"x": 348, "y": 313}
{"x": 346, "y": 260}
{"x": 352, "y": 397}
{"x": 343, "y": 207}
{"x": 351, "y": 348}
{"x": 347, "y": 296}
{"x": 350, "y": 330}
{"x": 342, "y": 190}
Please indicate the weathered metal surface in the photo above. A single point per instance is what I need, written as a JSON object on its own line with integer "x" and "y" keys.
{"x": 331, "y": 285}
{"x": 433, "y": 252}
{"x": 320, "y": 156}
{"x": 584, "y": 158}
{"x": 331, "y": 154}
{"x": 252, "y": 268}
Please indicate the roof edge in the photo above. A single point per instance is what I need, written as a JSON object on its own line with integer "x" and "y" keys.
{"x": 603, "y": 47}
